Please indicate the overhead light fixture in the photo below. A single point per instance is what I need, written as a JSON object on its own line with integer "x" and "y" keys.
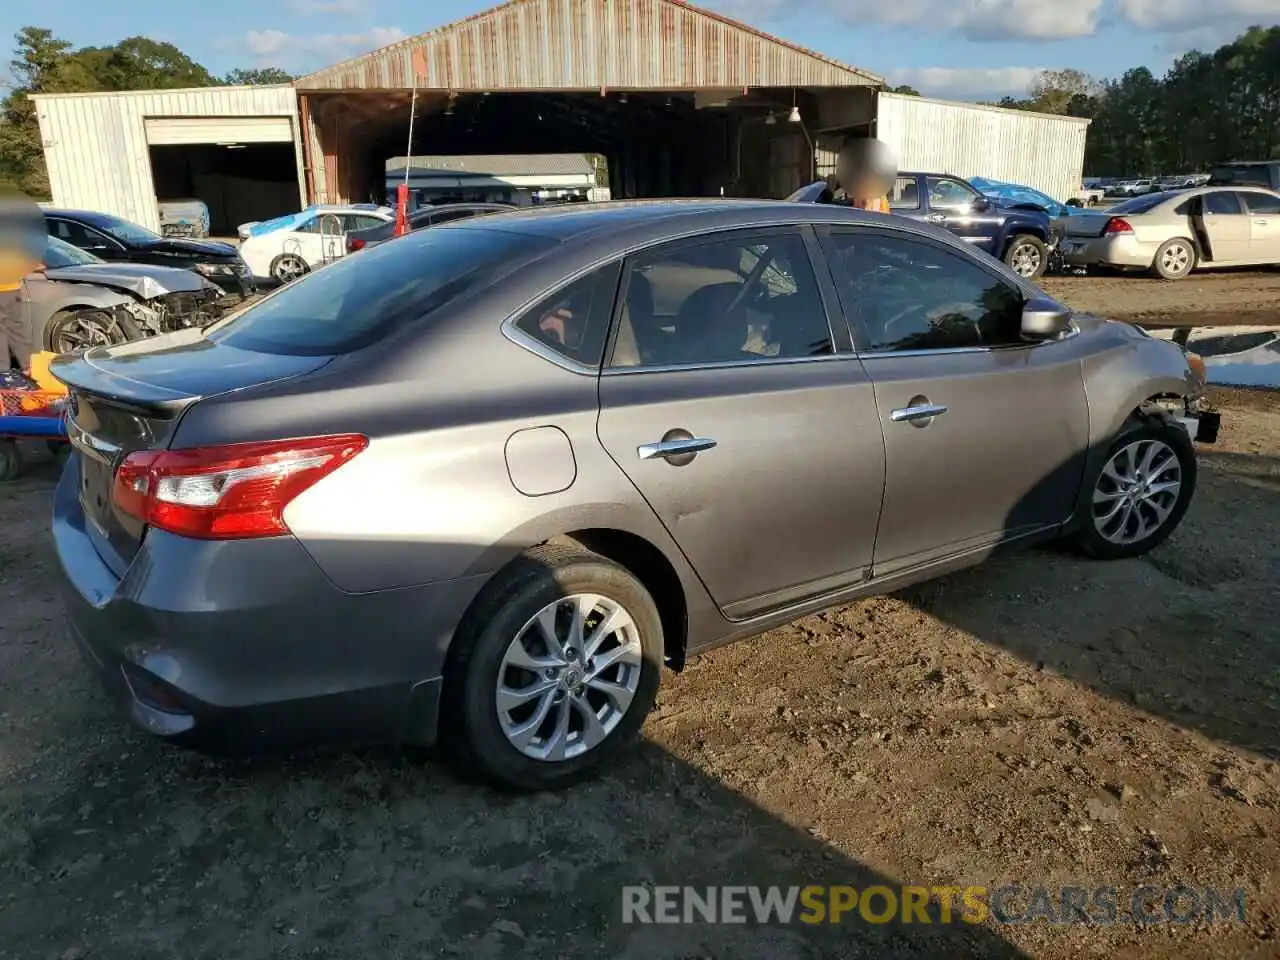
{"x": 622, "y": 98}
{"x": 770, "y": 120}
{"x": 794, "y": 116}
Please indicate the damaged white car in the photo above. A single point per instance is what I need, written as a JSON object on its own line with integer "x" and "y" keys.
{"x": 75, "y": 300}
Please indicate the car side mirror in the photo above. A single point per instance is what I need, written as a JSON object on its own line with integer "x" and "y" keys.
{"x": 1044, "y": 319}
{"x": 981, "y": 205}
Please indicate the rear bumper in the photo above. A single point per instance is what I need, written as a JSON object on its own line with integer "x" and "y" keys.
{"x": 1122, "y": 250}
{"x": 247, "y": 646}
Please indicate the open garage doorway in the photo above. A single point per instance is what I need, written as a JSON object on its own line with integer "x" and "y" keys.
{"x": 654, "y": 144}
{"x": 233, "y": 172}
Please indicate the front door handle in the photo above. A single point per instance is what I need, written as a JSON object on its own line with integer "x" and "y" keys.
{"x": 920, "y": 411}
{"x": 937, "y": 218}
{"x": 675, "y": 447}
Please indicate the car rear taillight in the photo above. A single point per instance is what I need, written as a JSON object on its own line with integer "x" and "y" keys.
{"x": 354, "y": 244}
{"x": 1117, "y": 225}
{"x": 232, "y": 492}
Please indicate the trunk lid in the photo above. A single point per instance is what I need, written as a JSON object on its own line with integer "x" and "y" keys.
{"x": 1086, "y": 224}
{"x": 132, "y": 397}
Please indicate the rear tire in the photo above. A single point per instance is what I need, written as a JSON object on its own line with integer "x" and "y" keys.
{"x": 1113, "y": 520}
{"x": 539, "y": 741}
{"x": 1175, "y": 259}
{"x": 1027, "y": 256}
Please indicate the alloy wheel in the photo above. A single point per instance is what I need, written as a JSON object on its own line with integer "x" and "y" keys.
{"x": 1025, "y": 260}
{"x": 289, "y": 269}
{"x": 88, "y": 328}
{"x": 1136, "y": 491}
{"x": 1175, "y": 259}
{"x": 568, "y": 677}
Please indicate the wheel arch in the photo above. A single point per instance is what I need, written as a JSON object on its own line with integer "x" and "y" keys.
{"x": 627, "y": 537}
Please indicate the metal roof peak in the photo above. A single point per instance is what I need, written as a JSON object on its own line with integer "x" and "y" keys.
{"x": 585, "y": 45}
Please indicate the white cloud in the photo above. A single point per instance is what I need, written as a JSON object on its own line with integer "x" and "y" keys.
{"x": 280, "y": 48}
{"x": 967, "y": 83}
{"x": 971, "y": 19}
{"x": 307, "y": 8}
{"x": 1014, "y": 20}
{"x": 1179, "y": 15}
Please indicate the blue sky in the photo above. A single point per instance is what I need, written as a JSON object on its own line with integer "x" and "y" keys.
{"x": 962, "y": 49}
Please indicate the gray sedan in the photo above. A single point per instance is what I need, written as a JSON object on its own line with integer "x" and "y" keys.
{"x": 483, "y": 482}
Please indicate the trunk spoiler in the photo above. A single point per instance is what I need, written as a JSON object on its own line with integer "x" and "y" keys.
{"x": 79, "y": 373}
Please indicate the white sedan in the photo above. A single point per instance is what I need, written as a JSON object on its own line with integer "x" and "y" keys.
{"x": 288, "y": 247}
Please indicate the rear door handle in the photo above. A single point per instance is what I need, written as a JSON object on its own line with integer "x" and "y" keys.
{"x": 937, "y": 218}
{"x": 682, "y": 446}
{"x": 921, "y": 411}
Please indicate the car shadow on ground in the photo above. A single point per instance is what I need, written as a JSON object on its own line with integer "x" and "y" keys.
{"x": 1200, "y": 651}
{"x": 113, "y": 845}
{"x": 156, "y": 852}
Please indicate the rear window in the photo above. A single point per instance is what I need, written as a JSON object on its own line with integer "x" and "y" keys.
{"x": 1141, "y": 204}
{"x": 359, "y": 300}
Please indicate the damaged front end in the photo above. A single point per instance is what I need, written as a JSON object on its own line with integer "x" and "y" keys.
{"x": 159, "y": 299}
{"x": 1195, "y": 411}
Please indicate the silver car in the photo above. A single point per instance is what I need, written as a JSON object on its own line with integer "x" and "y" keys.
{"x": 483, "y": 482}
{"x": 77, "y": 300}
{"x": 1173, "y": 233}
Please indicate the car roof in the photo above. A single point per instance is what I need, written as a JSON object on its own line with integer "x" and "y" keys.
{"x": 91, "y": 216}
{"x": 608, "y": 218}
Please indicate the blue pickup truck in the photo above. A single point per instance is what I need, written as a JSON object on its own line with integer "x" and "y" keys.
{"x": 1018, "y": 234}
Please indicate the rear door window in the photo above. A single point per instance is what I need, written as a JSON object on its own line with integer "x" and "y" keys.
{"x": 905, "y": 194}
{"x": 357, "y": 301}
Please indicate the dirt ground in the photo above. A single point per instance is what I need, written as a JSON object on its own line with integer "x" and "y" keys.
{"x": 1042, "y": 720}
{"x": 1220, "y": 298}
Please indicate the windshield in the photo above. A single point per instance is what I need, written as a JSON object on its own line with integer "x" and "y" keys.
{"x": 1140, "y": 204}
{"x": 359, "y": 300}
{"x": 58, "y": 253}
{"x": 123, "y": 229}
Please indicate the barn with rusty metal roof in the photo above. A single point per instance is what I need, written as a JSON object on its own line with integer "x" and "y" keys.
{"x": 679, "y": 100}
{"x": 623, "y": 98}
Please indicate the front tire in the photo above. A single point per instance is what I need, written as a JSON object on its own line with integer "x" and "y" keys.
{"x": 554, "y": 669}
{"x": 1139, "y": 494}
{"x": 78, "y": 329}
{"x": 1027, "y": 256}
{"x": 1175, "y": 259}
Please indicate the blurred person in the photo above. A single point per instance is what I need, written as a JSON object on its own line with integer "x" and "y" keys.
{"x": 23, "y": 238}
{"x": 866, "y": 169}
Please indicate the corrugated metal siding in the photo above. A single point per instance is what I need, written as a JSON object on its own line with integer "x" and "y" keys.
{"x": 95, "y": 144}
{"x": 1033, "y": 149}
{"x": 586, "y": 45}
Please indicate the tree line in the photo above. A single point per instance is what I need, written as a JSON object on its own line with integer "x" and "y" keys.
{"x": 1208, "y": 108}
{"x": 43, "y": 63}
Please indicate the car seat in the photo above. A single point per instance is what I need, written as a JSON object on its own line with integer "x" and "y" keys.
{"x": 706, "y": 329}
